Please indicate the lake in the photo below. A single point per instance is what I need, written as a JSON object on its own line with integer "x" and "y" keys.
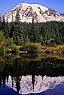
{"x": 32, "y": 73}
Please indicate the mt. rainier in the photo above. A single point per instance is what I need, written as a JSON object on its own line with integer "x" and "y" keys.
{"x": 38, "y": 12}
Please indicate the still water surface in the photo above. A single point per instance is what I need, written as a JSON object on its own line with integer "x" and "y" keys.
{"x": 31, "y": 73}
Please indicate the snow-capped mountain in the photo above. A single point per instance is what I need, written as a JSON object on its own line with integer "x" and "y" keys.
{"x": 38, "y": 12}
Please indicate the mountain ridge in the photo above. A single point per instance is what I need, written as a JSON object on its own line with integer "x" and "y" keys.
{"x": 36, "y": 11}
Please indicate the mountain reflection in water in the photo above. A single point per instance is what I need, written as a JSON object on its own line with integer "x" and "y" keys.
{"x": 26, "y": 85}
{"x": 28, "y": 74}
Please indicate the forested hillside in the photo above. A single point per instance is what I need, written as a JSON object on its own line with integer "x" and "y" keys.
{"x": 48, "y": 34}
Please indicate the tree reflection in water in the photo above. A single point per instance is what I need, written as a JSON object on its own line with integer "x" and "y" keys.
{"x": 25, "y": 65}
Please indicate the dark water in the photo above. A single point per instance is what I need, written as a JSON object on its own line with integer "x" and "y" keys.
{"x": 31, "y": 73}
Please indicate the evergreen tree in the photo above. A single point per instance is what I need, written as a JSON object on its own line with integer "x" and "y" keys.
{"x": 57, "y": 37}
{"x": 12, "y": 28}
{"x": 17, "y": 33}
{"x": 5, "y": 28}
{"x": 42, "y": 34}
{"x": 32, "y": 32}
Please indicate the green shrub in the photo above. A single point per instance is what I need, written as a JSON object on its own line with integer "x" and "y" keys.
{"x": 1, "y": 36}
{"x": 1, "y": 50}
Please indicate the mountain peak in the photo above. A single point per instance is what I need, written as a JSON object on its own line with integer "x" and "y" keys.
{"x": 36, "y": 11}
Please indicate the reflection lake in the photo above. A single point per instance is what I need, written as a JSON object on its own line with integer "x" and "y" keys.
{"x": 32, "y": 73}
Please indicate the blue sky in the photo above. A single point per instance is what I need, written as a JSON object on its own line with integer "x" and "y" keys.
{"x": 6, "y": 5}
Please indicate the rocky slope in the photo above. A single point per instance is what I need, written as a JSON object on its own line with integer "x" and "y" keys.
{"x": 38, "y": 12}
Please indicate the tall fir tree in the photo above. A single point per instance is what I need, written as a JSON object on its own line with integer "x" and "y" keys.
{"x": 12, "y": 28}
{"x": 17, "y": 33}
{"x": 42, "y": 34}
{"x": 5, "y": 28}
{"x": 32, "y": 32}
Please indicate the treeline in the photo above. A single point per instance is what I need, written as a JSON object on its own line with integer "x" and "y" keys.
{"x": 49, "y": 33}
